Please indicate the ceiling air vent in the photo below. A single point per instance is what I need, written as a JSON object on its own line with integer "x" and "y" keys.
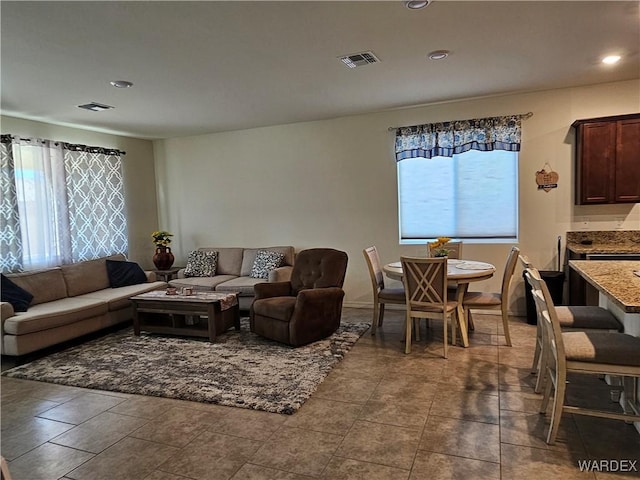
{"x": 359, "y": 59}
{"x": 95, "y": 107}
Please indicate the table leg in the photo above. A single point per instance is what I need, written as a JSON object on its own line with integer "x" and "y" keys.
{"x": 236, "y": 317}
{"x": 136, "y": 320}
{"x": 462, "y": 319}
{"x": 212, "y": 311}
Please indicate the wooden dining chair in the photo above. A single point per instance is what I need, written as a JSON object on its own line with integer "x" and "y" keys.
{"x": 425, "y": 285}
{"x": 381, "y": 294}
{"x": 4, "y": 470}
{"x": 570, "y": 318}
{"x": 595, "y": 353}
{"x": 495, "y": 300}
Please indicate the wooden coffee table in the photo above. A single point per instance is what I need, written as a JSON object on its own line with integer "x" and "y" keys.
{"x": 157, "y": 312}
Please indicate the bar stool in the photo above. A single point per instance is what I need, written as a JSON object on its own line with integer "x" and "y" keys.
{"x": 571, "y": 318}
{"x": 594, "y": 353}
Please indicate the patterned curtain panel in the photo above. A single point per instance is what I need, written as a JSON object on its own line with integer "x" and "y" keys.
{"x": 61, "y": 203}
{"x": 448, "y": 138}
{"x": 95, "y": 198}
{"x": 10, "y": 238}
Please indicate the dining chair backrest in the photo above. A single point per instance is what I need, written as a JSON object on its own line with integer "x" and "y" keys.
{"x": 509, "y": 268}
{"x": 425, "y": 281}
{"x": 375, "y": 269}
{"x": 425, "y": 286}
{"x": 454, "y": 250}
{"x": 547, "y": 317}
{"x": 524, "y": 261}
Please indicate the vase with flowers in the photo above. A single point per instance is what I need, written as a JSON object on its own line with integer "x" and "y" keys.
{"x": 163, "y": 258}
{"x": 439, "y": 247}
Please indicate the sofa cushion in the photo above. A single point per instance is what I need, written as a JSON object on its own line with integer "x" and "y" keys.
{"x": 122, "y": 274}
{"x": 44, "y": 285}
{"x": 87, "y": 276}
{"x": 54, "y": 314}
{"x": 118, "y": 298}
{"x": 242, "y": 285}
{"x": 266, "y": 260}
{"x": 17, "y": 296}
{"x": 201, "y": 283}
{"x": 250, "y": 254}
{"x": 201, "y": 264}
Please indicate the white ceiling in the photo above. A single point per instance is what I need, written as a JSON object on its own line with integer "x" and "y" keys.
{"x": 201, "y": 67}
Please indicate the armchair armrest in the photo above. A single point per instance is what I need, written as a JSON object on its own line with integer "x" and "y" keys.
{"x": 275, "y": 289}
{"x": 316, "y": 314}
{"x": 6, "y": 311}
{"x": 318, "y": 297}
{"x": 151, "y": 276}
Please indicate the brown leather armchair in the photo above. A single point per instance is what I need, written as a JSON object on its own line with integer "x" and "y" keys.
{"x": 309, "y": 306}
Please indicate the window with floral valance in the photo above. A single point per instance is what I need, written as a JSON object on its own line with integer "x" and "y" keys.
{"x": 459, "y": 179}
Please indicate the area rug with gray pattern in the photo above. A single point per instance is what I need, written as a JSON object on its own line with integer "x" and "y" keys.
{"x": 241, "y": 369}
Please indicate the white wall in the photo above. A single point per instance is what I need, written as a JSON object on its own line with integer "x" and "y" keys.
{"x": 138, "y": 172}
{"x": 333, "y": 183}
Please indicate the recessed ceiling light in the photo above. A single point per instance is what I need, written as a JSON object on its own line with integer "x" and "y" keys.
{"x": 416, "y": 4}
{"x": 611, "y": 59}
{"x": 438, "y": 54}
{"x": 121, "y": 84}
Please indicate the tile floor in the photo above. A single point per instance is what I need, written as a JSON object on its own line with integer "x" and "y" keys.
{"x": 380, "y": 414}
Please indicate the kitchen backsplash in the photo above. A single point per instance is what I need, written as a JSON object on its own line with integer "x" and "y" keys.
{"x": 618, "y": 241}
{"x": 610, "y": 236}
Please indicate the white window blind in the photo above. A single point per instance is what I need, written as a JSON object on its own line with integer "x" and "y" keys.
{"x": 471, "y": 196}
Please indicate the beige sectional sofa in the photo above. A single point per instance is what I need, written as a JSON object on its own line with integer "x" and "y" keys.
{"x": 68, "y": 301}
{"x": 233, "y": 272}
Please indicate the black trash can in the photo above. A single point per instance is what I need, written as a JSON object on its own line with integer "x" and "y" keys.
{"x": 555, "y": 284}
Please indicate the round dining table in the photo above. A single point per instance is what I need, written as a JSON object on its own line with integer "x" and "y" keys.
{"x": 460, "y": 273}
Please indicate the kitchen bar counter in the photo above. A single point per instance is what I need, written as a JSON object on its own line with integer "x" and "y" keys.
{"x": 614, "y": 279}
{"x": 596, "y": 245}
{"x": 619, "y": 292}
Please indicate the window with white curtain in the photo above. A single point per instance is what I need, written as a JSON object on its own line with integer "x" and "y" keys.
{"x": 41, "y": 199}
{"x": 61, "y": 203}
{"x": 472, "y": 196}
{"x": 459, "y": 179}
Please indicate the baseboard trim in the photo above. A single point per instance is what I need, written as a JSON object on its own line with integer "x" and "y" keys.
{"x": 401, "y": 307}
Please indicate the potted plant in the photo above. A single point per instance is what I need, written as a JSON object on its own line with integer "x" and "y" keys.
{"x": 163, "y": 258}
{"x": 439, "y": 247}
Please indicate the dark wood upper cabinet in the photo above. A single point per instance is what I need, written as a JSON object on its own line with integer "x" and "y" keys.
{"x": 608, "y": 159}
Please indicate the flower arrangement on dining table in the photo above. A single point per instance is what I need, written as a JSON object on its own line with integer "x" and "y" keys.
{"x": 161, "y": 238}
{"x": 439, "y": 247}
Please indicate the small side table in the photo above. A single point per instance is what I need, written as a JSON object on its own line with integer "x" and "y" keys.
{"x": 166, "y": 275}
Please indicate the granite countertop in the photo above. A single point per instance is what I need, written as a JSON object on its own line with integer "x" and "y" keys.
{"x": 603, "y": 248}
{"x": 623, "y": 241}
{"x": 613, "y": 278}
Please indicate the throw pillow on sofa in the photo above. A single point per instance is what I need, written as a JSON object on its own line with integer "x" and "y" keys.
{"x": 266, "y": 261}
{"x": 17, "y": 296}
{"x": 201, "y": 264}
{"x": 122, "y": 274}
